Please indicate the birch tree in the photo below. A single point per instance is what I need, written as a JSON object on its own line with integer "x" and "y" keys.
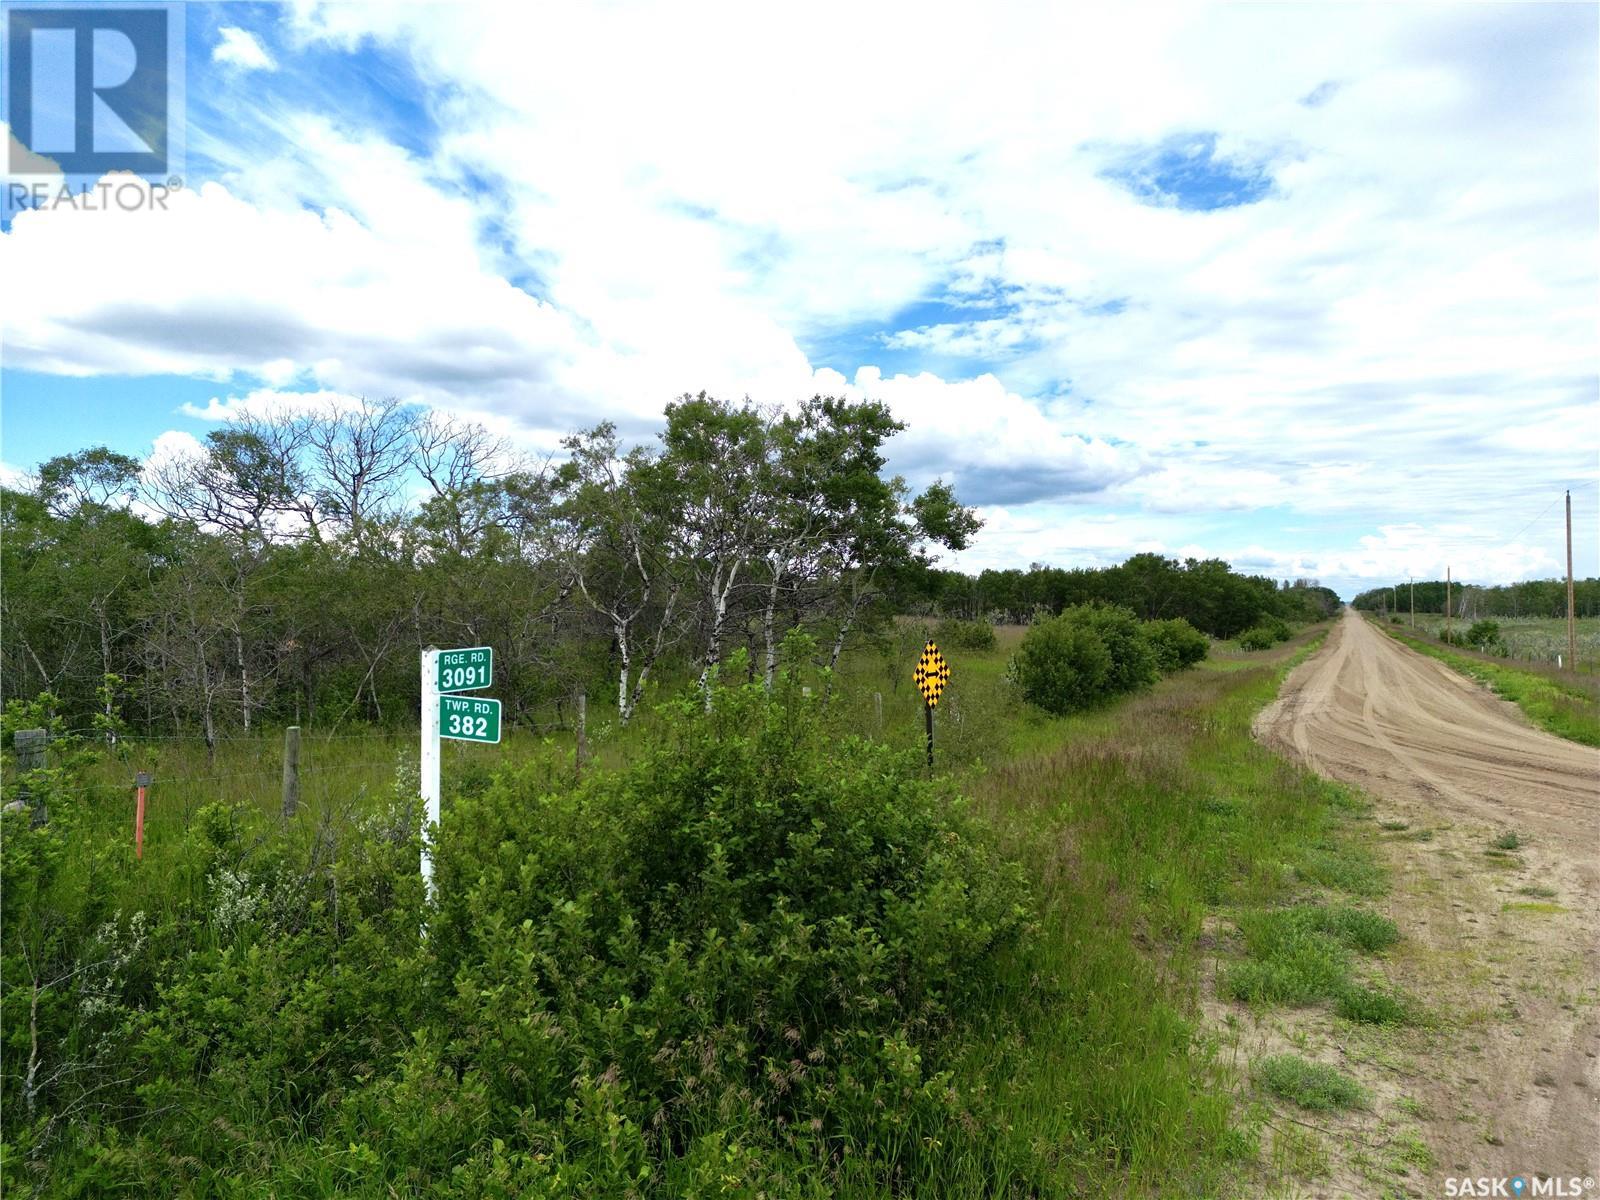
{"x": 716, "y": 453}
{"x": 613, "y": 533}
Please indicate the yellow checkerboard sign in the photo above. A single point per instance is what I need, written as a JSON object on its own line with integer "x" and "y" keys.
{"x": 932, "y": 674}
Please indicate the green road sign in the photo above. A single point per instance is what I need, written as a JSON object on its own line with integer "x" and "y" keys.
{"x": 466, "y": 670}
{"x": 469, "y": 719}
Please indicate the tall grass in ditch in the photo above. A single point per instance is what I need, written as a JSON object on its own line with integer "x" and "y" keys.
{"x": 1136, "y": 823}
{"x": 1076, "y": 1065}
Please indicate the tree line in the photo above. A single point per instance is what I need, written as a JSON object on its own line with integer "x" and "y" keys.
{"x": 1207, "y": 593}
{"x": 292, "y": 569}
{"x": 1530, "y": 598}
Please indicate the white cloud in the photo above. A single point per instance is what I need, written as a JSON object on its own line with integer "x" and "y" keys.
{"x": 268, "y": 403}
{"x": 14, "y": 477}
{"x": 219, "y": 288}
{"x": 242, "y": 49}
{"x": 996, "y": 446}
{"x": 1404, "y": 325}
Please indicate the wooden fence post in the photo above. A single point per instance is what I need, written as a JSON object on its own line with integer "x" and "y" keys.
{"x": 30, "y": 744}
{"x": 583, "y": 747}
{"x": 877, "y": 709}
{"x": 291, "y": 770}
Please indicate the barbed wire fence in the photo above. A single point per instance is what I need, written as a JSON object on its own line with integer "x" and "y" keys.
{"x": 361, "y": 762}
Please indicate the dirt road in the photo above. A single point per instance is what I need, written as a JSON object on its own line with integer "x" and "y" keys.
{"x": 1502, "y": 941}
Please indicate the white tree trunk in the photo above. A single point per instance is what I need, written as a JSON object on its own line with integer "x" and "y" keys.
{"x": 719, "y": 613}
{"x": 210, "y": 721}
{"x": 768, "y": 632}
{"x": 624, "y": 701}
{"x": 105, "y": 661}
{"x": 244, "y": 678}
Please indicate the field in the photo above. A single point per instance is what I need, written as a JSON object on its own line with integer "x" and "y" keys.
{"x": 1158, "y": 846}
{"x": 1531, "y": 639}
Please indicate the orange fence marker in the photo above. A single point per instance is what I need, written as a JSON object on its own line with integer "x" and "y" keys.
{"x": 142, "y": 782}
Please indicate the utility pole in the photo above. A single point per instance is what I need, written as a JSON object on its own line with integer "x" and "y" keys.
{"x": 1572, "y": 628}
{"x": 1413, "y": 602}
{"x": 1447, "y": 603}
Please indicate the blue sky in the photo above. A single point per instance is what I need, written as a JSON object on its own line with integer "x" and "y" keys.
{"x": 1311, "y": 288}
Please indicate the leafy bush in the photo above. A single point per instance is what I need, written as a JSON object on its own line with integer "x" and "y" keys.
{"x": 1061, "y": 666}
{"x": 698, "y": 975}
{"x": 1084, "y": 656}
{"x": 1257, "y": 639}
{"x": 1133, "y": 662}
{"x": 758, "y": 917}
{"x": 1176, "y": 644}
{"x": 1483, "y": 633}
{"x": 1264, "y": 635}
{"x": 966, "y": 635}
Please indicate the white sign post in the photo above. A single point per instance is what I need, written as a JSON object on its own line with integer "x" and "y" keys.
{"x": 430, "y": 760}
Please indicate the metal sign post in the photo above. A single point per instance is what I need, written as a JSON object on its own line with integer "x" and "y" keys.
{"x": 463, "y": 718}
{"x": 430, "y": 761}
{"x": 932, "y": 675}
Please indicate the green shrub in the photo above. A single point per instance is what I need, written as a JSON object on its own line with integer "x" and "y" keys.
{"x": 1133, "y": 662}
{"x": 1176, "y": 644}
{"x": 1265, "y": 634}
{"x": 697, "y": 975}
{"x": 758, "y": 916}
{"x": 1483, "y": 633}
{"x": 1061, "y": 666}
{"x": 1258, "y": 638}
{"x": 966, "y": 635}
{"x": 1084, "y": 656}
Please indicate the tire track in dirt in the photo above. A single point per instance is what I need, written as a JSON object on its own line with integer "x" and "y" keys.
{"x": 1510, "y": 1082}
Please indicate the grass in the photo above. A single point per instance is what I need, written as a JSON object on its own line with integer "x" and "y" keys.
{"x": 1375, "y": 1006}
{"x": 1534, "y": 640}
{"x": 1136, "y": 842}
{"x": 1311, "y": 1085}
{"x": 1138, "y": 824}
{"x": 1302, "y": 955}
{"x": 1565, "y": 704}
